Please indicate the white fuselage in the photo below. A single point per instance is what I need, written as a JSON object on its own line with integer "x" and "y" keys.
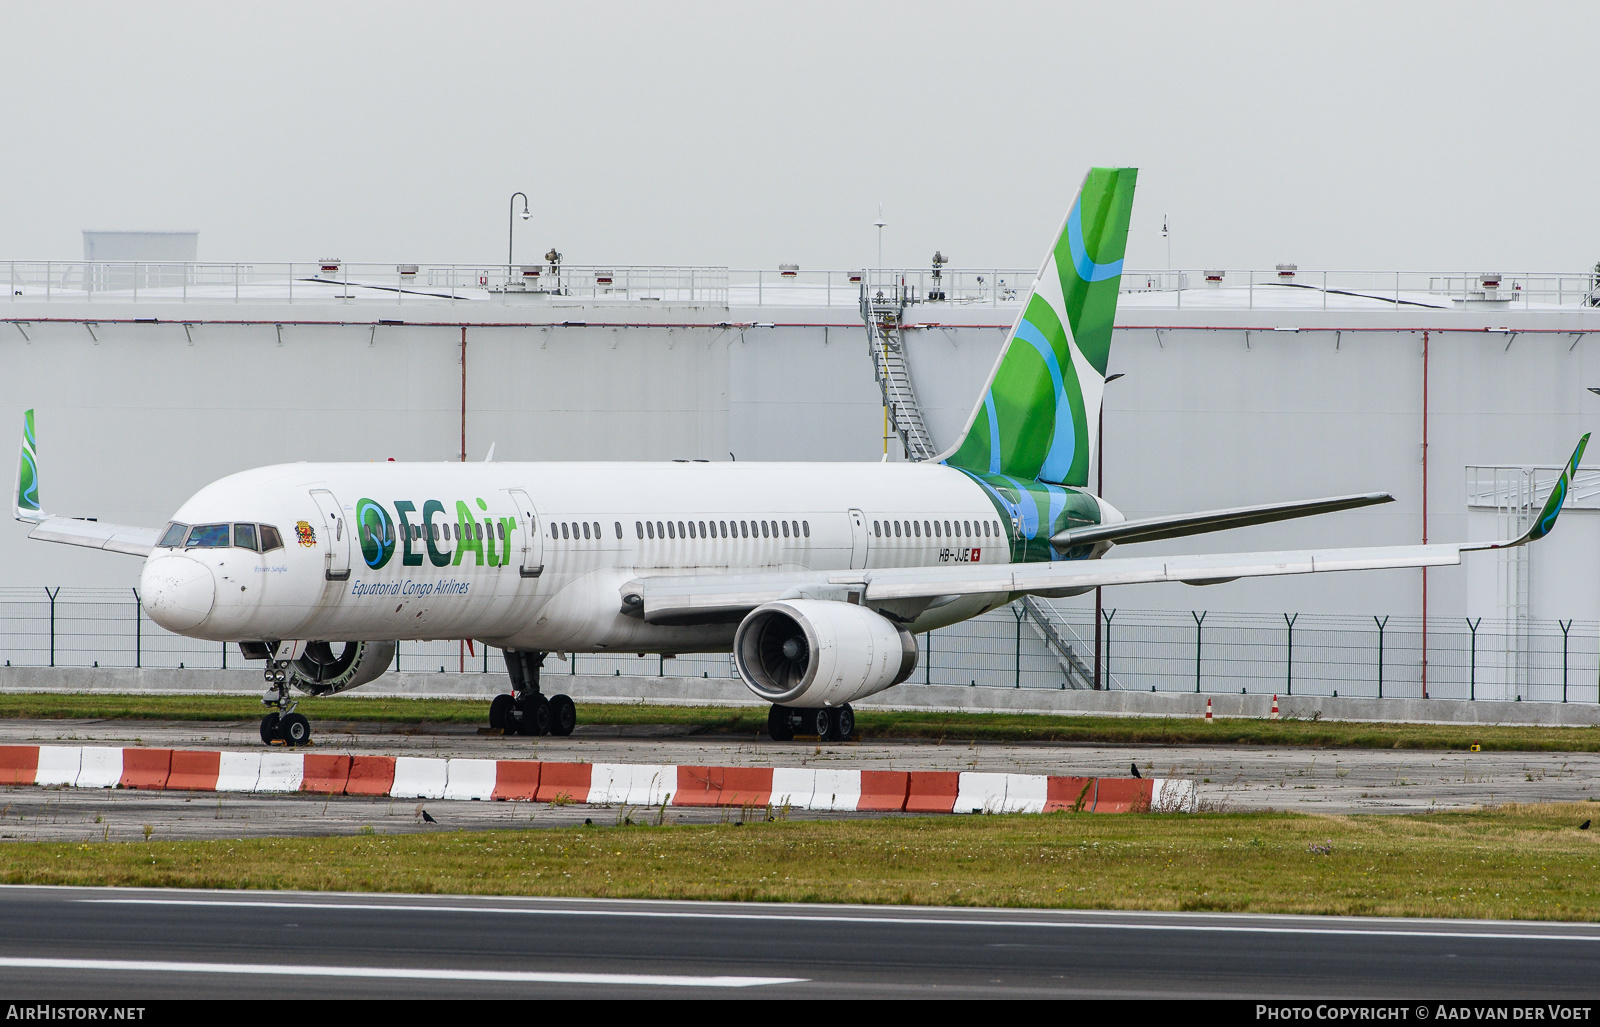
{"x": 571, "y": 542}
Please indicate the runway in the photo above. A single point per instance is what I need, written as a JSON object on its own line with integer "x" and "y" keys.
{"x": 125, "y": 944}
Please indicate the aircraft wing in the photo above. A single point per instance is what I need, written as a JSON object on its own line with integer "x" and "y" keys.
{"x": 1150, "y": 529}
{"x": 711, "y": 597}
{"x": 113, "y": 538}
{"x": 75, "y": 531}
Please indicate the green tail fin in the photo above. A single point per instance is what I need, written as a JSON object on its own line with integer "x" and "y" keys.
{"x": 1037, "y": 418}
{"x": 27, "y": 508}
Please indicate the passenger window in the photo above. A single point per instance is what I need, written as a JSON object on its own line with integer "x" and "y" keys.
{"x": 744, "y": 529}
{"x": 208, "y": 536}
{"x": 661, "y": 530}
{"x": 597, "y": 529}
{"x": 724, "y": 526}
{"x": 619, "y": 529}
{"x": 638, "y": 526}
{"x": 916, "y": 528}
{"x": 785, "y": 528}
{"x": 586, "y": 530}
{"x": 966, "y": 528}
{"x": 763, "y": 529}
{"x": 564, "y": 533}
{"x": 681, "y": 532}
{"x": 703, "y": 528}
{"x": 270, "y": 539}
{"x": 244, "y": 536}
{"x": 173, "y": 536}
{"x": 671, "y": 531}
{"x": 501, "y": 532}
{"x": 806, "y": 525}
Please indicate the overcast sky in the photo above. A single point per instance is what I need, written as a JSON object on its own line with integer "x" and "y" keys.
{"x": 1385, "y": 135}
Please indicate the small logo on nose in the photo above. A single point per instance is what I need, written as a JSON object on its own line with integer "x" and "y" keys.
{"x": 305, "y": 533}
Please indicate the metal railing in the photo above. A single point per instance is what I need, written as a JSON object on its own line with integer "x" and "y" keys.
{"x": 359, "y": 283}
{"x": 397, "y": 284}
{"x": 1143, "y": 650}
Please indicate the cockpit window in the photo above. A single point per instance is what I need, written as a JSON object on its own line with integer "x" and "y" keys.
{"x": 208, "y": 536}
{"x": 173, "y": 536}
{"x": 244, "y": 536}
{"x": 270, "y": 539}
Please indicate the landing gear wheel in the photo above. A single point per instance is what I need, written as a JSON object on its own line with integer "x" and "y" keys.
{"x": 269, "y": 729}
{"x": 295, "y": 729}
{"x": 820, "y": 723}
{"x": 500, "y": 713}
{"x": 563, "y": 715}
{"x": 535, "y": 719}
{"x": 844, "y": 723}
{"x": 780, "y": 724}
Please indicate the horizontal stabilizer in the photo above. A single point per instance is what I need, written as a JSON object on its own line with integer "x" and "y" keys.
{"x": 1149, "y": 529}
{"x": 113, "y": 538}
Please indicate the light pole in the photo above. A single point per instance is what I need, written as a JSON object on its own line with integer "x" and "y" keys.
{"x": 511, "y": 228}
{"x": 1099, "y": 490}
{"x": 879, "y": 225}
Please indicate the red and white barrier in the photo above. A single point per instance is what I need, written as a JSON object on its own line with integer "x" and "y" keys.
{"x": 617, "y": 784}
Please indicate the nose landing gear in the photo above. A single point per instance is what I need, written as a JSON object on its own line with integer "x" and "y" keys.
{"x": 526, "y": 711}
{"x": 283, "y": 724}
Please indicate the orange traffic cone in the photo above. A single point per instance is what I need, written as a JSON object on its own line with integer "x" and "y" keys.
{"x": 1274, "y": 707}
{"x": 1208, "y": 711}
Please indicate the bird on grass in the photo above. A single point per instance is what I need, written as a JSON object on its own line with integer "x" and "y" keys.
{"x": 1136, "y": 771}
{"x": 1584, "y": 826}
{"x": 427, "y": 817}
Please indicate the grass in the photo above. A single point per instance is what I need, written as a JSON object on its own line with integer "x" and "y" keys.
{"x": 749, "y": 720}
{"x": 1521, "y": 862}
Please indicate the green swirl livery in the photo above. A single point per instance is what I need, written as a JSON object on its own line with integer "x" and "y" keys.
{"x": 377, "y": 534}
{"x": 1030, "y": 439}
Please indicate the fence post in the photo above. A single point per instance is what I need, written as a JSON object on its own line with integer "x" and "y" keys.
{"x": 1199, "y": 620}
{"x": 927, "y": 670}
{"x": 1564, "y": 629}
{"x": 52, "y": 596}
{"x": 138, "y": 632}
{"x": 1380, "y": 624}
{"x": 1472, "y": 680}
{"x": 1106, "y": 649}
{"x": 224, "y": 656}
{"x": 1016, "y": 611}
{"x": 1288, "y": 680}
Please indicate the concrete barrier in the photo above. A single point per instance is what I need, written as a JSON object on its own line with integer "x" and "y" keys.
{"x": 100, "y": 767}
{"x": 883, "y": 791}
{"x": 932, "y": 791}
{"x": 238, "y": 771}
{"x": 632, "y": 784}
{"x": 1068, "y": 793}
{"x": 793, "y": 788}
{"x": 370, "y": 775}
{"x": 145, "y": 768}
{"x": 194, "y": 771}
{"x": 419, "y": 778}
{"x": 58, "y": 765}
{"x": 979, "y": 793}
{"x": 516, "y": 779}
{"x": 281, "y": 772}
{"x": 19, "y": 764}
{"x": 325, "y": 775}
{"x": 564, "y": 782}
{"x": 586, "y": 688}
{"x": 470, "y": 779}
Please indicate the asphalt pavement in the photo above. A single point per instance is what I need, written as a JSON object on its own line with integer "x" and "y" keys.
{"x": 131, "y": 944}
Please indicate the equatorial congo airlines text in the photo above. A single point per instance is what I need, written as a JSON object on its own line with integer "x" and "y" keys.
{"x": 447, "y": 587}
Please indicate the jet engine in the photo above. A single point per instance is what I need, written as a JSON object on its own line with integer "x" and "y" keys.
{"x": 808, "y": 652}
{"x": 323, "y": 670}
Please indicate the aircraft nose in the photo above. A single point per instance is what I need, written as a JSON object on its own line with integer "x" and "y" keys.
{"x": 177, "y": 592}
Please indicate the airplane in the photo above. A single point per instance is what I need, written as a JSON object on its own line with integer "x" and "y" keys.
{"x": 816, "y": 576}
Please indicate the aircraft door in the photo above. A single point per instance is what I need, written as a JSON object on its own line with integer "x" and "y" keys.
{"x": 336, "y": 536}
{"x": 858, "y": 540}
{"x": 530, "y": 538}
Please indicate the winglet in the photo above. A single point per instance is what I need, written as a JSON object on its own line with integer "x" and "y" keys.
{"x": 1546, "y": 520}
{"x": 27, "y": 504}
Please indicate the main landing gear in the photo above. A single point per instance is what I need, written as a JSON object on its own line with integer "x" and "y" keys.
{"x": 829, "y": 724}
{"x": 526, "y": 711}
{"x": 283, "y": 724}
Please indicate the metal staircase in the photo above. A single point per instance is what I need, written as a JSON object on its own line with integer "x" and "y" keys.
{"x": 1078, "y": 673}
{"x": 883, "y": 306}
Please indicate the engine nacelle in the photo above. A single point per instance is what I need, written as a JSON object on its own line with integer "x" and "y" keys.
{"x": 810, "y": 652}
{"x": 321, "y": 671}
